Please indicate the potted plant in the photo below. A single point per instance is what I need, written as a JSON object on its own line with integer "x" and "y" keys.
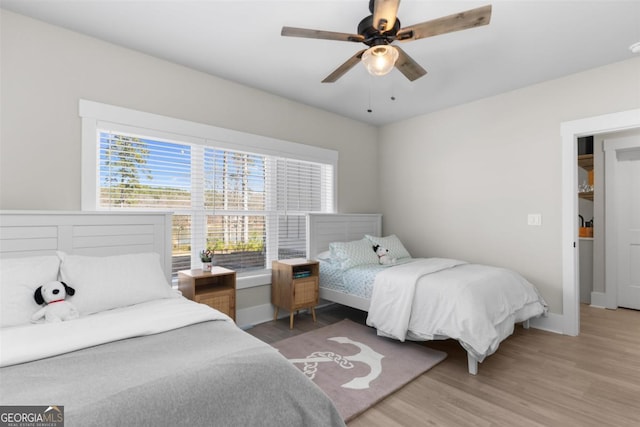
{"x": 206, "y": 256}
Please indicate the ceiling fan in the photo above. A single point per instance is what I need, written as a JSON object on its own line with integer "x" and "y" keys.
{"x": 380, "y": 29}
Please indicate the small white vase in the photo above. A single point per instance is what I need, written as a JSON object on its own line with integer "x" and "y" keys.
{"x": 206, "y": 266}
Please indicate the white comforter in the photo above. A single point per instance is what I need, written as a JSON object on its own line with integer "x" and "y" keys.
{"x": 21, "y": 344}
{"x": 434, "y": 298}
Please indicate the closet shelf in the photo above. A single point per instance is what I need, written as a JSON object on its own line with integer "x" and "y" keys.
{"x": 585, "y": 161}
{"x": 587, "y": 195}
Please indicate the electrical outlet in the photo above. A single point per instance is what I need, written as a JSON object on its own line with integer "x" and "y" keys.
{"x": 534, "y": 219}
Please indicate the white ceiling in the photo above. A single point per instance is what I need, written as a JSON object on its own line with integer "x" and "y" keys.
{"x": 525, "y": 43}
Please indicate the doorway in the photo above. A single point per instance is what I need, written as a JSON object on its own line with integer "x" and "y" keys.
{"x": 570, "y": 131}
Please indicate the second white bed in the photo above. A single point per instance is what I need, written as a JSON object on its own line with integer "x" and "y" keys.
{"x": 426, "y": 299}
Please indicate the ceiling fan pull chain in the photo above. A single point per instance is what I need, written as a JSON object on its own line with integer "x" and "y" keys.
{"x": 369, "y": 110}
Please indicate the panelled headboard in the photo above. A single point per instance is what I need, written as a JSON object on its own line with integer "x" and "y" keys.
{"x": 33, "y": 233}
{"x": 323, "y": 229}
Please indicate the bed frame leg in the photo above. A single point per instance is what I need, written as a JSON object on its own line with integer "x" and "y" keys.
{"x": 473, "y": 364}
{"x": 525, "y": 324}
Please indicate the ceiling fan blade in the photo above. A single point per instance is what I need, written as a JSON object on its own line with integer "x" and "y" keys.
{"x": 384, "y": 14}
{"x": 447, "y": 24}
{"x": 341, "y": 70}
{"x": 319, "y": 34}
{"x": 407, "y": 66}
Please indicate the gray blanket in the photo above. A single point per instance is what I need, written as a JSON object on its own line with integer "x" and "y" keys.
{"x": 208, "y": 374}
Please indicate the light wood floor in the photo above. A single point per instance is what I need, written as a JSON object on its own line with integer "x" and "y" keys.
{"x": 535, "y": 378}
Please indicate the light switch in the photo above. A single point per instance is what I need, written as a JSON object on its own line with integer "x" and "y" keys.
{"x": 534, "y": 219}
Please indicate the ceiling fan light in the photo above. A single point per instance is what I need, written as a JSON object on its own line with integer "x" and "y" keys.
{"x": 380, "y": 59}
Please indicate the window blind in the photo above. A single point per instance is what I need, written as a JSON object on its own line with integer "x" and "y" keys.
{"x": 248, "y": 208}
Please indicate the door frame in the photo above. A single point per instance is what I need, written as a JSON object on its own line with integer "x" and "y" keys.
{"x": 611, "y": 148}
{"x": 570, "y": 132}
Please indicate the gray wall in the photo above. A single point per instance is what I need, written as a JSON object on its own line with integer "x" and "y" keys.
{"x": 46, "y": 70}
{"x": 458, "y": 182}
{"x": 471, "y": 174}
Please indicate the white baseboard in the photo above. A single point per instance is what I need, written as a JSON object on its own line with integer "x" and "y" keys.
{"x": 251, "y": 316}
{"x": 598, "y": 299}
{"x": 551, "y": 323}
{"x": 248, "y": 317}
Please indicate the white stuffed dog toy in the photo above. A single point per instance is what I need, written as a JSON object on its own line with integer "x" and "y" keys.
{"x": 383, "y": 255}
{"x": 56, "y": 309}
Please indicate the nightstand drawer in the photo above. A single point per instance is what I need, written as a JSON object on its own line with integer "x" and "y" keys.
{"x": 215, "y": 288}
{"x": 223, "y": 301}
{"x": 305, "y": 291}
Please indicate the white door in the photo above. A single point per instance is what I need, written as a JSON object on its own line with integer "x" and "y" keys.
{"x": 628, "y": 213}
{"x": 622, "y": 222}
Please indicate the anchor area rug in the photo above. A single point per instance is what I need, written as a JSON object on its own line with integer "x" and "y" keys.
{"x": 355, "y": 367}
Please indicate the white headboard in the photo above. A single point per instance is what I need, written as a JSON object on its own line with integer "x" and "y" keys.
{"x": 323, "y": 229}
{"x": 33, "y": 233}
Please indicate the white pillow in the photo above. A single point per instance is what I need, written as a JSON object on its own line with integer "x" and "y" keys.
{"x": 396, "y": 249}
{"x": 19, "y": 278}
{"x": 104, "y": 283}
{"x": 324, "y": 256}
{"x": 352, "y": 254}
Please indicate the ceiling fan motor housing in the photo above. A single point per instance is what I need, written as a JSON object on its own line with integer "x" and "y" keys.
{"x": 373, "y": 37}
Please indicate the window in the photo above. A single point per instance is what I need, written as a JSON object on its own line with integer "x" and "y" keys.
{"x": 246, "y": 201}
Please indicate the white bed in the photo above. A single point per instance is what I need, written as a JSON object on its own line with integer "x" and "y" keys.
{"x": 418, "y": 299}
{"x": 157, "y": 358}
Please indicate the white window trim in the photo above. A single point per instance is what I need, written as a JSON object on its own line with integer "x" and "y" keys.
{"x": 96, "y": 115}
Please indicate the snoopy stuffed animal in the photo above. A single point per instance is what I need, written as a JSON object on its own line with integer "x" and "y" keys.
{"x": 56, "y": 309}
{"x": 383, "y": 255}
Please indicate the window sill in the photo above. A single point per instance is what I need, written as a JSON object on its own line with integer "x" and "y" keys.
{"x": 253, "y": 279}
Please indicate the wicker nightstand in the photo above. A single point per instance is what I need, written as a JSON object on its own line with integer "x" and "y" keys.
{"x": 217, "y": 288}
{"x": 294, "y": 285}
